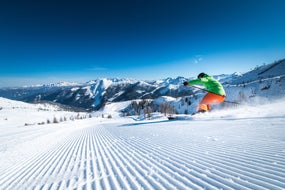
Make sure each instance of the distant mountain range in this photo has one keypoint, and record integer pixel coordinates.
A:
(263, 81)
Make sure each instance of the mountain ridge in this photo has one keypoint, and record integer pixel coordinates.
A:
(262, 81)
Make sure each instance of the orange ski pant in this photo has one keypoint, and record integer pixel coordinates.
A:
(208, 99)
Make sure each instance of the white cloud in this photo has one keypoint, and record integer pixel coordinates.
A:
(198, 59)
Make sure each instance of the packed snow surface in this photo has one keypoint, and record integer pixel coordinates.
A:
(237, 148)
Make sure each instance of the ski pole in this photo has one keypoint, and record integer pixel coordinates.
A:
(231, 102)
(214, 93)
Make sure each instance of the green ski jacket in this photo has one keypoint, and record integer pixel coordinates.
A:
(211, 84)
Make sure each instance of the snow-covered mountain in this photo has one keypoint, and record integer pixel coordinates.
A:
(263, 84)
(94, 94)
(267, 81)
(240, 148)
(264, 81)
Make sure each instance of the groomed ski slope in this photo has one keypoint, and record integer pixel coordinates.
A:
(242, 148)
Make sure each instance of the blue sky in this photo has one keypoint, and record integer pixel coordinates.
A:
(56, 40)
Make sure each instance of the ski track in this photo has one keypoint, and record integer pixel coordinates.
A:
(108, 156)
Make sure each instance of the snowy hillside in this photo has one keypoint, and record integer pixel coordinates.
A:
(130, 143)
(237, 148)
(259, 86)
(264, 81)
(261, 83)
(18, 114)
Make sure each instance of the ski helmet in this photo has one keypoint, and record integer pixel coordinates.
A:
(201, 75)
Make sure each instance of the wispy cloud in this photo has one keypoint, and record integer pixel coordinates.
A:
(198, 59)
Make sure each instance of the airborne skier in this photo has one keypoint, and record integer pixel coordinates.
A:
(216, 93)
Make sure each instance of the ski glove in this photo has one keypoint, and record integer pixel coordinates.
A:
(185, 83)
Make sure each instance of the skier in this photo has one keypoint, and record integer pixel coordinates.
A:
(216, 92)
